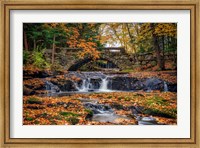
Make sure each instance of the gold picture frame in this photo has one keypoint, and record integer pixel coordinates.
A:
(7, 5)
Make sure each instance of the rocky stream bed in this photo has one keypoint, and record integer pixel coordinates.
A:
(96, 98)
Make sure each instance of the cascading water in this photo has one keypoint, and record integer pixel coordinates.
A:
(104, 85)
(84, 82)
(51, 88)
(87, 84)
(165, 87)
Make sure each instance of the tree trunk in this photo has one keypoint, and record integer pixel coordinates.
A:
(34, 44)
(174, 46)
(132, 41)
(163, 43)
(25, 41)
(156, 47)
(53, 49)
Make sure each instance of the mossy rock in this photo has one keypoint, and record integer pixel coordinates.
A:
(33, 101)
(90, 112)
(120, 98)
(117, 106)
(109, 97)
(73, 120)
(89, 115)
(127, 98)
(29, 119)
(164, 113)
(66, 114)
(157, 100)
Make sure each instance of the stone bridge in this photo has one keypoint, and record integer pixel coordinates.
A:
(69, 59)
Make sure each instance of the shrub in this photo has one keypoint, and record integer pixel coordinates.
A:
(38, 58)
(26, 57)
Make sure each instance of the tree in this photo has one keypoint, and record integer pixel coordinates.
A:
(156, 47)
(86, 37)
(53, 31)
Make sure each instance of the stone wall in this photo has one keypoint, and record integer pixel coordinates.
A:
(67, 58)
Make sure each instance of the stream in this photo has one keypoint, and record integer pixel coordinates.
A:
(104, 113)
(99, 82)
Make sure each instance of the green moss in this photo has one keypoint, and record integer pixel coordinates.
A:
(138, 95)
(33, 100)
(73, 120)
(29, 118)
(109, 97)
(117, 106)
(36, 122)
(127, 98)
(57, 117)
(66, 114)
(43, 115)
(128, 70)
(90, 112)
(157, 100)
(164, 113)
(120, 98)
(153, 63)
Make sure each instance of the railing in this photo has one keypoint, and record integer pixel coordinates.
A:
(108, 49)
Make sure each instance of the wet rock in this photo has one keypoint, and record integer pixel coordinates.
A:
(94, 83)
(136, 109)
(172, 87)
(69, 104)
(52, 87)
(68, 86)
(36, 74)
(122, 83)
(60, 103)
(138, 85)
(153, 84)
(27, 91)
(117, 106)
(35, 107)
(147, 121)
(89, 117)
(51, 105)
(97, 108)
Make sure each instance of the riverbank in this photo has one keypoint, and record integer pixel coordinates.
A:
(69, 110)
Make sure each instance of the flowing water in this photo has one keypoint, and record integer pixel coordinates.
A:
(103, 113)
(101, 82)
(165, 87)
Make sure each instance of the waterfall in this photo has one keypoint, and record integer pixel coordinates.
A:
(88, 85)
(51, 87)
(165, 87)
(85, 86)
(104, 85)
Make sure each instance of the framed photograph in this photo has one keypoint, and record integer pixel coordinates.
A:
(99, 73)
